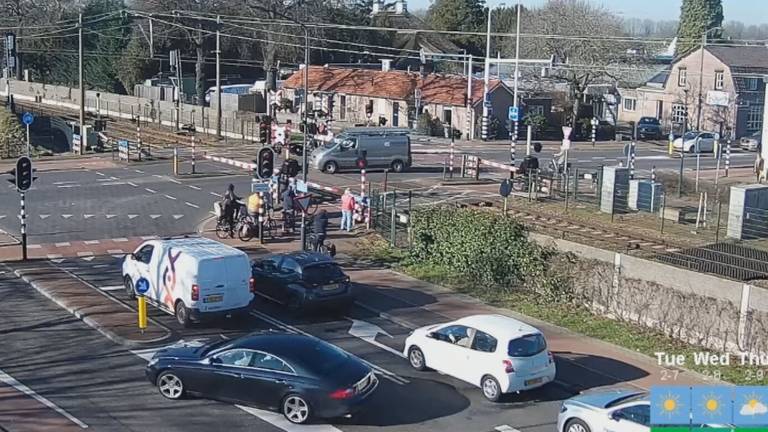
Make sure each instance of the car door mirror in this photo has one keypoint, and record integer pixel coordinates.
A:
(134, 257)
(214, 360)
(432, 335)
(617, 415)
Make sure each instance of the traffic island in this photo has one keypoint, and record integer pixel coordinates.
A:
(113, 319)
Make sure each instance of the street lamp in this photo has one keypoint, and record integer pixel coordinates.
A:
(701, 74)
(486, 81)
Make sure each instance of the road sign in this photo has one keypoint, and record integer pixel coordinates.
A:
(566, 144)
(259, 187)
(514, 113)
(505, 188)
(567, 132)
(27, 118)
(301, 186)
(487, 104)
(142, 286)
(303, 202)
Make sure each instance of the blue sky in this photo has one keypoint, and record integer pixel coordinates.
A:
(747, 11)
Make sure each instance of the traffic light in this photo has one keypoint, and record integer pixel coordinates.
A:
(369, 109)
(264, 132)
(265, 163)
(362, 161)
(23, 175)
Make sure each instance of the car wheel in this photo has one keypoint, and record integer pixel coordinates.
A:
(416, 358)
(491, 388)
(398, 166)
(129, 291)
(330, 168)
(182, 314)
(576, 425)
(170, 385)
(296, 409)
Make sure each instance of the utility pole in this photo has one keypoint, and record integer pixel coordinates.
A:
(305, 141)
(486, 80)
(517, 72)
(83, 138)
(470, 123)
(701, 80)
(218, 76)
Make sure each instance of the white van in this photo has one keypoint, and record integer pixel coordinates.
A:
(191, 278)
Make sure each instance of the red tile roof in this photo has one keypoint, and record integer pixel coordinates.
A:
(397, 85)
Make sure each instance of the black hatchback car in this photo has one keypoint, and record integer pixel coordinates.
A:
(649, 127)
(300, 376)
(303, 280)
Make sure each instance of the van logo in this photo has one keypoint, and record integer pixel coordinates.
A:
(386, 143)
(169, 277)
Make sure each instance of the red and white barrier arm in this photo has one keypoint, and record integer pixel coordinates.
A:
(498, 165)
(233, 162)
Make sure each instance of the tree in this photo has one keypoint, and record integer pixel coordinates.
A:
(696, 17)
(460, 15)
(11, 135)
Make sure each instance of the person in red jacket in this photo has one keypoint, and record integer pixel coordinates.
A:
(347, 207)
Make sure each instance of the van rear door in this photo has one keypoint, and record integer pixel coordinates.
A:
(238, 278)
(211, 284)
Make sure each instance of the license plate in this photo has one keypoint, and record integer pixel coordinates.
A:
(213, 299)
(331, 287)
(533, 381)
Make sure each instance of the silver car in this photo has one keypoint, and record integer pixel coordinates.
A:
(751, 142)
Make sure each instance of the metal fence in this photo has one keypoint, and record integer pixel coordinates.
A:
(390, 215)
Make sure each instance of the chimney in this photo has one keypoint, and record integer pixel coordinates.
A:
(376, 7)
(401, 7)
(386, 65)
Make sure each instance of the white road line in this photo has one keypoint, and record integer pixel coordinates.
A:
(191, 205)
(150, 190)
(66, 186)
(85, 254)
(193, 187)
(154, 216)
(170, 197)
(101, 174)
(133, 184)
(112, 288)
(92, 242)
(148, 237)
(157, 175)
(120, 240)
(114, 251)
(87, 216)
(62, 244)
(505, 428)
(291, 329)
(173, 180)
(11, 381)
(53, 256)
(138, 171)
(35, 246)
(215, 194)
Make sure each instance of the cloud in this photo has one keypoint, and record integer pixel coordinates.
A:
(749, 410)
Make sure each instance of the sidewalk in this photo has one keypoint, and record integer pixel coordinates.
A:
(113, 319)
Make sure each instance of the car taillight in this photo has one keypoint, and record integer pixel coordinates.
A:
(195, 293)
(252, 285)
(551, 357)
(508, 366)
(342, 394)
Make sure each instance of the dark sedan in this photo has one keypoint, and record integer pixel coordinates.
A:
(303, 280)
(649, 127)
(300, 376)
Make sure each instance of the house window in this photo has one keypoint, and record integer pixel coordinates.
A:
(447, 115)
(536, 109)
(342, 107)
(630, 104)
(682, 77)
(755, 118)
(719, 80)
(679, 113)
(751, 84)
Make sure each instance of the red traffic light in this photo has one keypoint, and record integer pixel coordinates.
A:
(361, 163)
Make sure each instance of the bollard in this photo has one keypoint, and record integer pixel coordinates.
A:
(632, 160)
(727, 155)
(653, 174)
(175, 161)
(451, 156)
(193, 154)
(142, 310)
(261, 218)
(138, 137)
(671, 144)
(463, 165)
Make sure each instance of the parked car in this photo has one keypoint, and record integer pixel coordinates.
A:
(649, 127)
(192, 278)
(497, 353)
(618, 410)
(695, 142)
(300, 376)
(751, 142)
(303, 280)
(383, 147)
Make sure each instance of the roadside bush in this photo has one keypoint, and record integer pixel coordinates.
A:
(487, 249)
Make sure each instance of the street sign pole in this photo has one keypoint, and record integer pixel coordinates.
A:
(28, 145)
(23, 217)
(28, 119)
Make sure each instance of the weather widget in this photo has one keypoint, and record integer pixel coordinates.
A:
(711, 407)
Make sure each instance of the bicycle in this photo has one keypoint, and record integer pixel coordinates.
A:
(326, 248)
(247, 228)
(223, 228)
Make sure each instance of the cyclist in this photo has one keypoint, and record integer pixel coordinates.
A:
(319, 229)
(230, 205)
(288, 209)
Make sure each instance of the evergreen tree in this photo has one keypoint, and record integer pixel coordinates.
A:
(460, 15)
(696, 17)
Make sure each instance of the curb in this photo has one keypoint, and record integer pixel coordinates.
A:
(128, 343)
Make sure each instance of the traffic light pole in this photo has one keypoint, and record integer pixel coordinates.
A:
(23, 218)
(304, 166)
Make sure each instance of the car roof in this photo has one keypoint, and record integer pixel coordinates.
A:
(610, 398)
(201, 247)
(287, 346)
(305, 258)
(500, 326)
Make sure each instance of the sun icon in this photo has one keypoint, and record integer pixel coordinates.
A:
(670, 404)
(712, 404)
(753, 406)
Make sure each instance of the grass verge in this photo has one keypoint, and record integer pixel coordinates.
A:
(575, 318)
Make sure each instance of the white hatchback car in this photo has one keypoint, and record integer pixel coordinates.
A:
(499, 354)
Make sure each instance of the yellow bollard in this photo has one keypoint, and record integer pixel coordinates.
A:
(142, 313)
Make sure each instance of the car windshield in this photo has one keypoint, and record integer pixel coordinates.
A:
(319, 273)
(690, 135)
(649, 120)
(527, 346)
(321, 358)
(336, 141)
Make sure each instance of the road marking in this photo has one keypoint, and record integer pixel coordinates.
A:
(157, 175)
(66, 216)
(66, 186)
(101, 174)
(133, 184)
(88, 258)
(85, 254)
(170, 197)
(173, 180)
(43, 216)
(215, 194)
(291, 329)
(154, 216)
(193, 187)
(53, 256)
(112, 288)
(120, 240)
(87, 216)
(178, 216)
(368, 331)
(150, 190)
(138, 171)
(505, 428)
(35, 246)
(149, 237)
(92, 242)
(2, 216)
(110, 216)
(114, 251)
(132, 216)
(11, 381)
(191, 204)
(62, 244)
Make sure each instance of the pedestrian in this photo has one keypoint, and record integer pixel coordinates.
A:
(320, 229)
(347, 207)
(759, 167)
(288, 210)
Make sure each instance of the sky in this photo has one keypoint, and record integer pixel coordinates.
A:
(746, 11)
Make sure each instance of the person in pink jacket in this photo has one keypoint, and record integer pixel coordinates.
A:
(347, 207)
